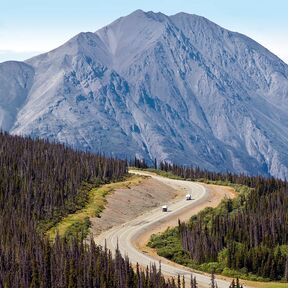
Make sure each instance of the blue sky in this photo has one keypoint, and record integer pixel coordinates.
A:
(28, 27)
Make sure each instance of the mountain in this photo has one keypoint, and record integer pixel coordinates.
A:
(178, 88)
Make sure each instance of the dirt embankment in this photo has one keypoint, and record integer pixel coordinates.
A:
(126, 204)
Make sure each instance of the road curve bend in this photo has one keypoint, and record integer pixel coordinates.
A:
(127, 234)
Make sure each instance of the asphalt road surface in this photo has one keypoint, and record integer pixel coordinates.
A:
(126, 234)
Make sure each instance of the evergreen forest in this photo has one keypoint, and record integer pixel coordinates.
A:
(248, 234)
(39, 184)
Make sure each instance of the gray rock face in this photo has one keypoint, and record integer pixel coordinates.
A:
(15, 82)
(178, 88)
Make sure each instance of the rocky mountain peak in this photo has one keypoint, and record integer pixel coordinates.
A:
(177, 88)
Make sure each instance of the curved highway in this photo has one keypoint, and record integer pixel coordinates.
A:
(127, 234)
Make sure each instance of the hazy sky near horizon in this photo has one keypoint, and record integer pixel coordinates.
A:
(29, 27)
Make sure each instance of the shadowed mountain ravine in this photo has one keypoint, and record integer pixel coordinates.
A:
(177, 88)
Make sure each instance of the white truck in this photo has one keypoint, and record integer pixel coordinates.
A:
(188, 197)
(164, 208)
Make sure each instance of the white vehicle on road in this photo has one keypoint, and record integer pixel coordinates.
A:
(164, 208)
(126, 236)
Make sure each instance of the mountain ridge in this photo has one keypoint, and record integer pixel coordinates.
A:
(177, 88)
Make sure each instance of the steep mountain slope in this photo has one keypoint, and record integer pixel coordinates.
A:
(15, 82)
(177, 88)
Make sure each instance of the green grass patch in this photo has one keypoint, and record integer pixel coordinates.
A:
(70, 207)
(78, 230)
(266, 284)
(76, 222)
(168, 245)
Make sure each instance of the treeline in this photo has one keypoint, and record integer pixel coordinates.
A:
(191, 173)
(39, 183)
(73, 265)
(248, 234)
(43, 180)
(138, 163)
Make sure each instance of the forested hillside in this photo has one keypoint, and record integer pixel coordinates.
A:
(248, 234)
(39, 183)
